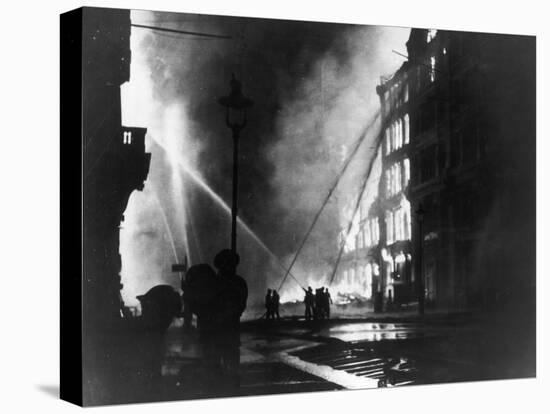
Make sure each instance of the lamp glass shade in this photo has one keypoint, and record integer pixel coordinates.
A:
(235, 100)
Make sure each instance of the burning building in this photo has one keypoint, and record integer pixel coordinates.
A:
(378, 254)
(394, 209)
(359, 269)
(457, 143)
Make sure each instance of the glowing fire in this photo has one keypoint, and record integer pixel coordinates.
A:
(348, 287)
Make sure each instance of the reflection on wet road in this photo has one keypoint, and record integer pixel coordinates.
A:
(344, 362)
(369, 331)
(359, 332)
(363, 363)
(366, 354)
(296, 356)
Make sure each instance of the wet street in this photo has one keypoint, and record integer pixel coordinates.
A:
(297, 356)
(358, 355)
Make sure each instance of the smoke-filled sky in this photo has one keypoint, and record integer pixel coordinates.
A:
(313, 85)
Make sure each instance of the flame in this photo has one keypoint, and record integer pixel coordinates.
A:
(346, 288)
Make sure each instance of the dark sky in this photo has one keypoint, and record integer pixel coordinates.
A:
(313, 85)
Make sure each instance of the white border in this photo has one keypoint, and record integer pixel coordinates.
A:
(30, 193)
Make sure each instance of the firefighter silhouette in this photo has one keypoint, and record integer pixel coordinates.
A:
(218, 300)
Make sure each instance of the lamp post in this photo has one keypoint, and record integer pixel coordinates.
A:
(235, 119)
(420, 274)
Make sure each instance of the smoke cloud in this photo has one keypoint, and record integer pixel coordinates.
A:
(322, 120)
(314, 91)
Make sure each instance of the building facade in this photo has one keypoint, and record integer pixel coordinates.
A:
(473, 143)
(394, 206)
(457, 154)
(115, 162)
(377, 260)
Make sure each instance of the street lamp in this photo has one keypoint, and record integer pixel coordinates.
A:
(420, 276)
(236, 104)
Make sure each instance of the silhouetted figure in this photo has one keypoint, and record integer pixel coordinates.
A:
(202, 287)
(319, 310)
(159, 306)
(201, 290)
(130, 354)
(309, 301)
(327, 301)
(230, 304)
(269, 314)
(141, 356)
(275, 301)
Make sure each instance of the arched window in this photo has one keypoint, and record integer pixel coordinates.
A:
(406, 128)
(127, 137)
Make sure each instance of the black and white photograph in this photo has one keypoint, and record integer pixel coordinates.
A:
(275, 206)
(279, 209)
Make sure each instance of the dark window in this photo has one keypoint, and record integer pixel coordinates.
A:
(416, 169)
(469, 145)
(418, 78)
(428, 163)
(428, 115)
(455, 150)
(468, 209)
(442, 155)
